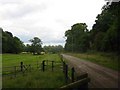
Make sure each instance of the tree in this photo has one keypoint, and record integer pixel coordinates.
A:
(27, 48)
(53, 49)
(1, 40)
(104, 36)
(36, 45)
(11, 44)
(105, 33)
(77, 38)
(18, 45)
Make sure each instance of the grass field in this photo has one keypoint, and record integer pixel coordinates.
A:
(15, 59)
(105, 59)
(35, 78)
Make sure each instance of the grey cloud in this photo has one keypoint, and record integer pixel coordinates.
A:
(20, 10)
(10, 1)
(46, 19)
(50, 38)
(45, 40)
(25, 38)
(45, 34)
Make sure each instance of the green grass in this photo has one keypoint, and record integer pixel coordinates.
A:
(36, 78)
(109, 60)
(15, 59)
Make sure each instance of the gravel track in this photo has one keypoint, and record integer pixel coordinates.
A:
(101, 77)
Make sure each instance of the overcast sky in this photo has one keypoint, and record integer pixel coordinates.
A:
(46, 19)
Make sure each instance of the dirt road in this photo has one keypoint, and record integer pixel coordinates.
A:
(101, 77)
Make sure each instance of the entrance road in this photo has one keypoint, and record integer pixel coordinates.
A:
(101, 77)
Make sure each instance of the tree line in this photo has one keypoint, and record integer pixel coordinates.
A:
(53, 49)
(12, 44)
(104, 35)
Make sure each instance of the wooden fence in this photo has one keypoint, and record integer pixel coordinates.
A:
(22, 68)
(73, 80)
(14, 70)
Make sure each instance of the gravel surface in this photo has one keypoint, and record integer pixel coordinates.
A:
(101, 77)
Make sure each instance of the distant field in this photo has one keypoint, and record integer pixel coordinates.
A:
(15, 59)
(35, 78)
(105, 59)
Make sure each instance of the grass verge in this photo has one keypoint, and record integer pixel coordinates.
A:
(109, 60)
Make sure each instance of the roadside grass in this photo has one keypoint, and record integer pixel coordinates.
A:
(35, 78)
(109, 60)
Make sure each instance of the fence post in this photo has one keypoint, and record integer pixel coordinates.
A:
(72, 73)
(43, 65)
(52, 65)
(66, 73)
(21, 65)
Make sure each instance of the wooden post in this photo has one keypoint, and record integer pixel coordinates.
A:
(78, 85)
(84, 75)
(43, 66)
(21, 65)
(52, 65)
(72, 73)
(66, 73)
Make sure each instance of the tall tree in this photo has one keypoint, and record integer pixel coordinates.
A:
(36, 45)
(1, 40)
(105, 32)
(18, 45)
(11, 44)
(77, 38)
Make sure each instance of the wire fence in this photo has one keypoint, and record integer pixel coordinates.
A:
(45, 65)
(71, 77)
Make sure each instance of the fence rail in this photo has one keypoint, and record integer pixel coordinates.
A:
(72, 79)
(22, 68)
(83, 83)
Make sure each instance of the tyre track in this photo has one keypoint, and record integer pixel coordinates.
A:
(101, 77)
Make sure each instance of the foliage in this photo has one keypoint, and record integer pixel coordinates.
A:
(104, 35)
(53, 49)
(105, 32)
(77, 38)
(35, 47)
(10, 43)
(27, 48)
